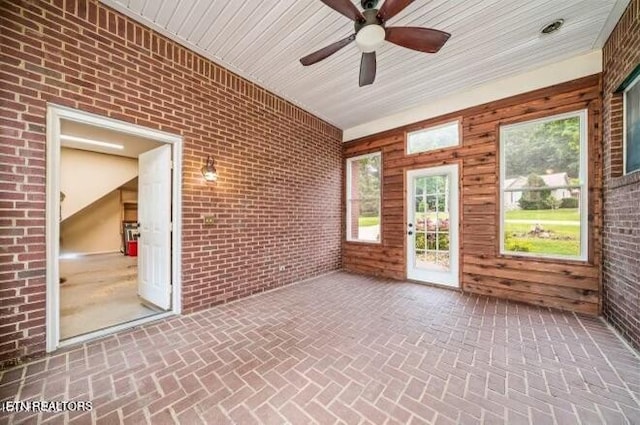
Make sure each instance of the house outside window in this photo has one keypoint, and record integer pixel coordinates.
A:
(363, 198)
(543, 186)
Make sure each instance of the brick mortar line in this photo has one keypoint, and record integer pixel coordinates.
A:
(620, 337)
(227, 82)
(257, 294)
(606, 357)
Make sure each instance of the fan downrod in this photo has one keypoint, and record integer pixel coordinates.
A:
(370, 18)
(369, 4)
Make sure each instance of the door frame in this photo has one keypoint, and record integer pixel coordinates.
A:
(56, 113)
(454, 170)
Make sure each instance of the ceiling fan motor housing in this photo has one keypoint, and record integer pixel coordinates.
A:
(369, 4)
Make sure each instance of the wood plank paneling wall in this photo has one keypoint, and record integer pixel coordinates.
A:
(572, 285)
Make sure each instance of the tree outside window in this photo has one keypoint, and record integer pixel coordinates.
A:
(543, 184)
(363, 198)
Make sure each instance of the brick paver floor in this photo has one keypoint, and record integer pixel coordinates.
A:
(346, 349)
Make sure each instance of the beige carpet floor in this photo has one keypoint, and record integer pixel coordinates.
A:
(100, 291)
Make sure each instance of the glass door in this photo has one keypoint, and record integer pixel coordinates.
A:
(432, 225)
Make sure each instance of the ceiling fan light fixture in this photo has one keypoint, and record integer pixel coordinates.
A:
(371, 33)
(370, 37)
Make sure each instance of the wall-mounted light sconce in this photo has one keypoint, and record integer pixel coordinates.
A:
(209, 171)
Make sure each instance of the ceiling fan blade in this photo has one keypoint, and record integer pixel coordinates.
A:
(367, 68)
(325, 52)
(346, 8)
(391, 8)
(421, 39)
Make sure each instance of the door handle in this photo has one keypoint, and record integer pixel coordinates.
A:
(410, 233)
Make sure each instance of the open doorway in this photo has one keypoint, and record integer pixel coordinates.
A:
(112, 258)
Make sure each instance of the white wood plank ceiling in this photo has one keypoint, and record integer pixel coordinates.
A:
(262, 40)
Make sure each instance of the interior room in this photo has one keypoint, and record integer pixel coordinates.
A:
(320, 211)
(98, 261)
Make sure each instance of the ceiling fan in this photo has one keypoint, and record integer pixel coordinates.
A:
(371, 33)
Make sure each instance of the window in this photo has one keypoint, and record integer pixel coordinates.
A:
(632, 126)
(543, 182)
(363, 198)
(432, 138)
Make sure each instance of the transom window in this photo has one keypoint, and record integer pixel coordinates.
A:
(543, 182)
(432, 138)
(363, 198)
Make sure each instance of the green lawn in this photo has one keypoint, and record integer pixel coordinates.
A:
(368, 221)
(544, 246)
(563, 239)
(556, 229)
(562, 214)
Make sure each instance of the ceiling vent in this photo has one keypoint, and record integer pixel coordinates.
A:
(552, 27)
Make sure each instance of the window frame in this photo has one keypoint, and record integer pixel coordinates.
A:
(583, 114)
(456, 121)
(348, 199)
(632, 84)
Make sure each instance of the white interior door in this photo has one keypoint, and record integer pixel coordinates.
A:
(432, 225)
(154, 217)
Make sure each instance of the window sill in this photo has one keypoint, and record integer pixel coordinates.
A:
(550, 260)
(625, 180)
(364, 242)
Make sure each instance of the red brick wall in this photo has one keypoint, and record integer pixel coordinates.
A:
(278, 198)
(621, 267)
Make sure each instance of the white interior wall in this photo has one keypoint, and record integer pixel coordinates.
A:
(87, 176)
(95, 229)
